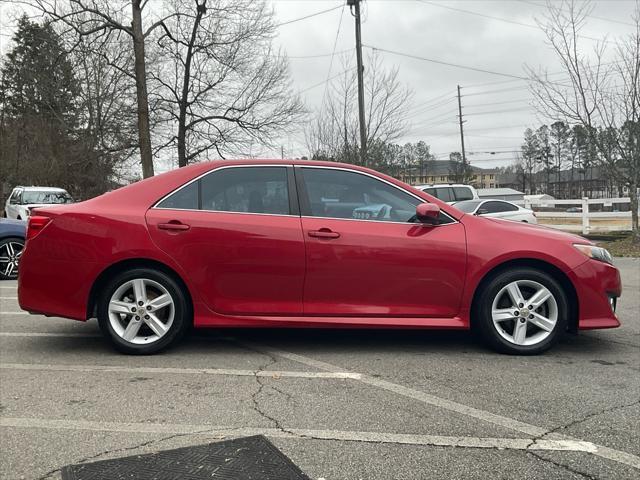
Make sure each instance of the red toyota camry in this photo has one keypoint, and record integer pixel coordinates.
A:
(306, 244)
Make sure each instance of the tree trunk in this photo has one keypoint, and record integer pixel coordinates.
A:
(184, 97)
(144, 135)
(633, 194)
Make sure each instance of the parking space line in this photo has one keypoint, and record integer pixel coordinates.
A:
(191, 371)
(510, 423)
(302, 434)
(14, 313)
(8, 298)
(52, 334)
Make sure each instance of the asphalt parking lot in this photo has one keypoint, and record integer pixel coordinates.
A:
(340, 404)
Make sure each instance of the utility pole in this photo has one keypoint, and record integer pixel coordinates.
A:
(363, 133)
(464, 156)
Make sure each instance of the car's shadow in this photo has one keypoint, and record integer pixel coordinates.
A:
(334, 340)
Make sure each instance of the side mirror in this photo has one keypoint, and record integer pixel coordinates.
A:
(428, 213)
(482, 211)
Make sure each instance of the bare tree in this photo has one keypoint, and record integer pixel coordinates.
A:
(334, 132)
(598, 95)
(103, 19)
(221, 86)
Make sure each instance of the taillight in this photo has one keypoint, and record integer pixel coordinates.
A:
(36, 225)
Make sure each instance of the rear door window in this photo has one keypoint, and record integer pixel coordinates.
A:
(246, 190)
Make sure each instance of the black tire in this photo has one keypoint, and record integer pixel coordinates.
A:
(183, 316)
(3, 266)
(484, 301)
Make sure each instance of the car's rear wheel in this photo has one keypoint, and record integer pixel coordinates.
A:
(143, 311)
(10, 253)
(523, 311)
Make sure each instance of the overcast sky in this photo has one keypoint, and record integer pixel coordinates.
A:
(440, 30)
(496, 108)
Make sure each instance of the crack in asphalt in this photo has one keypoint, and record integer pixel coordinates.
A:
(563, 466)
(573, 423)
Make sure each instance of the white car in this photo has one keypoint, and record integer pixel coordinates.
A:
(497, 209)
(451, 193)
(23, 199)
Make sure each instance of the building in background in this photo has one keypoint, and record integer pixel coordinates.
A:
(444, 171)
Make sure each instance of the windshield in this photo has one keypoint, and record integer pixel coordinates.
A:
(468, 206)
(45, 197)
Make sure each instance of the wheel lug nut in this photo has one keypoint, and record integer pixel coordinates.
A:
(516, 313)
(133, 309)
(521, 305)
(146, 317)
(522, 320)
(140, 303)
(148, 307)
(530, 316)
(137, 317)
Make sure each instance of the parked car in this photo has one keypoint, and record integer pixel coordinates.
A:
(497, 209)
(24, 199)
(12, 235)
(284, 243)
(451, 193)
(574, 210)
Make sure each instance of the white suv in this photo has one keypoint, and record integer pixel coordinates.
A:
(23, 199)
(450, 193)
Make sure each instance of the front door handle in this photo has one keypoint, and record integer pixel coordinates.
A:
(174, 225)
(324, 233)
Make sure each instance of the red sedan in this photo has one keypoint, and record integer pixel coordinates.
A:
(306, 244)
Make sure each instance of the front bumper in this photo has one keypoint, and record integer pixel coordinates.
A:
(598, 287)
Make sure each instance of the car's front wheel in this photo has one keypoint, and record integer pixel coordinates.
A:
(143, 311)
(523, 311)
(10, 253)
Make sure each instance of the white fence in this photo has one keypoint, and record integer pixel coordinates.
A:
(584, 215)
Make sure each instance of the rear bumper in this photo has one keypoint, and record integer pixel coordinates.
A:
(55, 287)
(596, 284)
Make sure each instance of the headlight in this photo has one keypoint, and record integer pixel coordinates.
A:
(597, 253)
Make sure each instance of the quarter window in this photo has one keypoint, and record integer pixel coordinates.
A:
(184, 199)
(340, 194)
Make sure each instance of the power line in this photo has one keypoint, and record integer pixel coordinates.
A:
(465, 67)
(335, 45)
(419, 110)
(320, 55)
(315, 85)
(308, 16)
(592, 16)
(498, 103)
(515, 22)
(491, 112)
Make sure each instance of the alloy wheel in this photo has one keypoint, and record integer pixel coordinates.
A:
(524, 312)
(141, 311)
(10, 253)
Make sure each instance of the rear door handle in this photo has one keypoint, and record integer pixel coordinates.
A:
(323, 233)
(174, 225)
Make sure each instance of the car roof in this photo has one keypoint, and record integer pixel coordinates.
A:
(148, 191)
